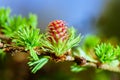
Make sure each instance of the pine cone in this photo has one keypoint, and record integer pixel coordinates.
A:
(57, 30)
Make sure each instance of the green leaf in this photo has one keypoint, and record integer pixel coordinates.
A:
(38, 64)
(28, 37)
(33, 54)
(2, 54)
(77, 51)
(32, 20)
(77, 68)
(105, 52)
(117, 52)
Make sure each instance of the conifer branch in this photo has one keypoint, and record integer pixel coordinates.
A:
(60, 43)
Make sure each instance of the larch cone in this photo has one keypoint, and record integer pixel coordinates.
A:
(57, 29)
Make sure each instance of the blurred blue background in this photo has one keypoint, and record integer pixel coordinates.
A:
(82, 14)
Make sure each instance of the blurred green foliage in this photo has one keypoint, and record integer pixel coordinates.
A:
(4, 16)
(90, 41)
